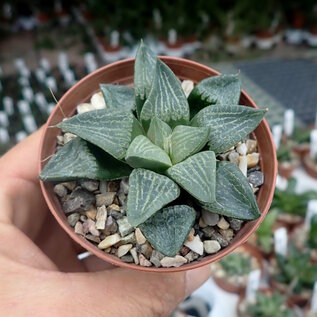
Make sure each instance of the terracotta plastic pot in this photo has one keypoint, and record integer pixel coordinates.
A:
(122, 73)
(240, 289)
(310, 167)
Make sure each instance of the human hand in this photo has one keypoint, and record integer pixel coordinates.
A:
(39, 271)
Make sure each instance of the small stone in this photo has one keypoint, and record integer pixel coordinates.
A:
(184, 250)
(127, 259)
(228, 234)
(90, 226)
(69, 185)
(73, 218)
(113, 186)
(60, 140)
(114, 207)
(156, 257)
(256, 178)
(83, 218)
(124, 186)
(90, 185)
(235, 224)
(202, 223)
(177, 261)
(213, 234)
(110, 226)
(195, 245)
(140, 238)
(242, 149)
(130, 238)
(223, 223)
(191, 256)
(253, 159)
(105, 199)
(123, 250)
(91, 213)
(134, 255)
(79, 200)
(79, 228)
(190, 236)
(210, 218)
(97, 101)
(60, 190)
(187, 86)
(92, 238)
(255, 189)
(85, 107)
(103, 187)
(101, 218)
(234, 157)
(146, 250)
(116, 200)
(109, 241)
(223, 156)
(251, 145)
(115, 214)
(143, 261)
(108, 250)
(122, 199)
(243, 164)
(124, 226)
(68, 137)
(211, 246)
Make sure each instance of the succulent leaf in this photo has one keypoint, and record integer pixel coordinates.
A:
(168, 229)
(78, 159)
(109, 129)
(186, 141)
(228, 124)
(118, 97)
(166, 99)
(197, 175)
(149, 192)
(221, 90)
(158, 132)
(234, 195)
(144, 68)
(142, 153)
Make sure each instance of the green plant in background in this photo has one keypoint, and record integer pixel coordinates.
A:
(236, 264)
(146, 133)
(296, 270)
(264, 232)
(312, 236)
(284, 153)
(301, 135)
(269, 305)
(290, 202)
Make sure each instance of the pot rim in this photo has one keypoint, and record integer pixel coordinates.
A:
(113, 259)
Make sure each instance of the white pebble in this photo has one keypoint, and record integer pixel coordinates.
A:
(98, 101)
(109, 241)
(195, 245)
(211, 246)
(210, 218)
(188, 86)
(242, 149)
(223, 223)
(243, 165)
(123, 250)
(177, 261)
(140, 239)
(84, 107)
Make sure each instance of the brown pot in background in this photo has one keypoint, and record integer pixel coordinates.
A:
(301, 150)
(226, 285)
(310, 167)
(286, 171)
(122, 73)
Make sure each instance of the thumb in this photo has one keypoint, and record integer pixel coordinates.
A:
(122, 292)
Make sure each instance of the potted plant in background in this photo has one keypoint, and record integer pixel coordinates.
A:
(287, 160)
(155, 151)
(300, 141)
(231, 273)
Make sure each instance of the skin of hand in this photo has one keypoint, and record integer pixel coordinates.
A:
(39, 271)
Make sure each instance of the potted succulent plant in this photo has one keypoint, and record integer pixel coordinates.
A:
(267, 303)
(168, 147)
(294, 275)
(231, 272)
(300, 140)
(287, 160)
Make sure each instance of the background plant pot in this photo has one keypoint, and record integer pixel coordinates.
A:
(286, 170)
(240, 289)
(122, 73)
(301, 150)
(310, 167)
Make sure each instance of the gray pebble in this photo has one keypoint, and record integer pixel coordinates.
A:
(127, 258)
(60, 190)
(79, 228)
(115, 214)
(223, 156)
(143, 261)
(191, 256)
(105, 199)
(103, 187)
(235, 224)
(156, 257)
(73, 218)
(134, 255)
(90, 226)
(69, 185)
(234, 157)
(124, 186)
(145, 249)
(122, 198)
(211, 233)
(130, 238)
(110, 226)
(101, 217)
(79, 200)
(90, 185)
(210, 218)
(256, 178)
(92, 238)
(124, 226)
(113, 186)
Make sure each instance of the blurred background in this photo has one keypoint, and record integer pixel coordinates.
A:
(46, 48)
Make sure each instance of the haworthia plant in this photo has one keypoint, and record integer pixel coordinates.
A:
(146, 133)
